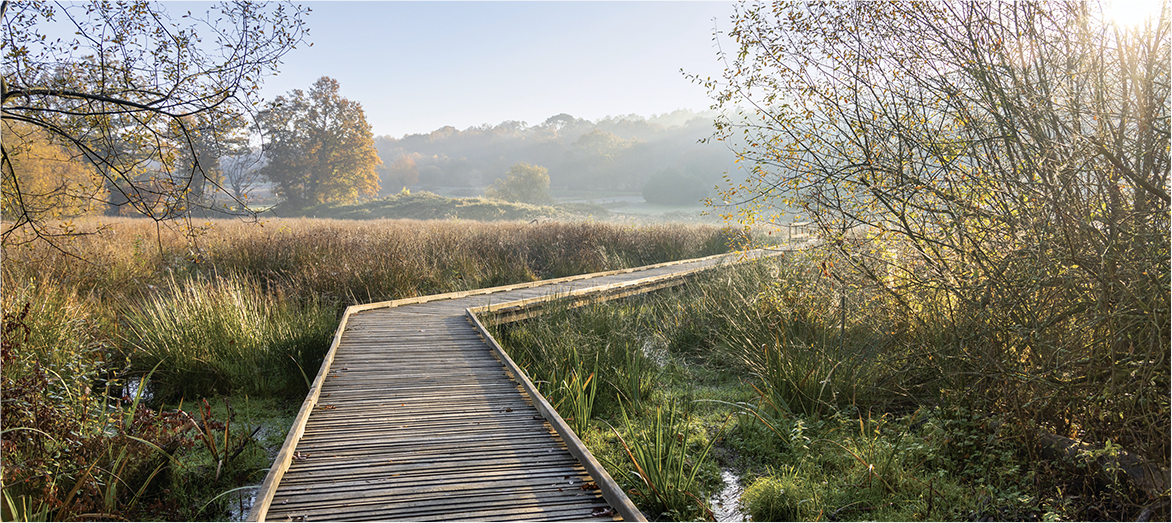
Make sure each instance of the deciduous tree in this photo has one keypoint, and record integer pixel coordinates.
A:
(319, 147)
(48, 182)
(1014, 155)
(523, 183)
(119, 83)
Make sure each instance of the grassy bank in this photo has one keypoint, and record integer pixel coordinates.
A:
(429, 206)
(236, 314)
(822, 400)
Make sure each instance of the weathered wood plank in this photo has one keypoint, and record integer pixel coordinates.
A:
(415, 414)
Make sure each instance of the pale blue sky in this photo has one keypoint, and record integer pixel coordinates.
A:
(417, 66)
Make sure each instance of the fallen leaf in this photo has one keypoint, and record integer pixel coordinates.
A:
(602, 511)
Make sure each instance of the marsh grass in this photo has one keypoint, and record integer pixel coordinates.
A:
(843, 408)
(574, 394)
(662, 469)
(225, 334)
(353, 261)
(62, 335)
(551, 353)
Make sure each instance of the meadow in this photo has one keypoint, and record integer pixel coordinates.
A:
(151, 373)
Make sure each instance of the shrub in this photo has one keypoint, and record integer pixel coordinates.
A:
(523, 183)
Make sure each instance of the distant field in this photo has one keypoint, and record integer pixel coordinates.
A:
(430, 206)
(464, 204)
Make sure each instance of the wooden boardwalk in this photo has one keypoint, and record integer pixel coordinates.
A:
(418, 415)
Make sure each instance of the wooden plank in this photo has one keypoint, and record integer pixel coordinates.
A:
(362, 466)
(442, 480)
(406, 506)
(530, 502)
(610, 489)
(430, 488)
(324, 460)
(384, 348)
(490, 509)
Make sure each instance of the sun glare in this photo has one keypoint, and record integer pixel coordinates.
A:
(1131, 13)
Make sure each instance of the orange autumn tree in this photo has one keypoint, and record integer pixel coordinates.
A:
(319, 147)
(50, 181)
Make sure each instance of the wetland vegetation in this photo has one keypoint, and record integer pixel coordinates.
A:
(825, 402)
(980, 332)
(150, 376)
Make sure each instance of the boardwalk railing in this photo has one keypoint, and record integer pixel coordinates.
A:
(522, 301)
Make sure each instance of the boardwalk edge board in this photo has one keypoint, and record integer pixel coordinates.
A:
(517, 309)
(268, 487)
(611, 491)
(519, 286)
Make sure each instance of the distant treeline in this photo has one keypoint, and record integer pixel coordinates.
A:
(613, 154)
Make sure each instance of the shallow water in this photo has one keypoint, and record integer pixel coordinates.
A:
(130, 390)
(241, 503)
(726, 505)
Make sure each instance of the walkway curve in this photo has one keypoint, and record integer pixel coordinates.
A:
(417, 414)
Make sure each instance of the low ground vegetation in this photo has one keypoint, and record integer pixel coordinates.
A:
(149, 376)
(826, 404)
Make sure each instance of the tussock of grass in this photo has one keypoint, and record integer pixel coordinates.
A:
(226, 334)
(777, 498)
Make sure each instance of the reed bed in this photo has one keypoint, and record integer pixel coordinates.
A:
(352, 261)
(229, 308)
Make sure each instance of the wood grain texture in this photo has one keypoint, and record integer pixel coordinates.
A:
(416, 414)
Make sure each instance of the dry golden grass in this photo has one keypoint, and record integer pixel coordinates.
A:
(349, 261)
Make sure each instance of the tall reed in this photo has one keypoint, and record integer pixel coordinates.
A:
(354, 261)
(63, 334)
(226, 334)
